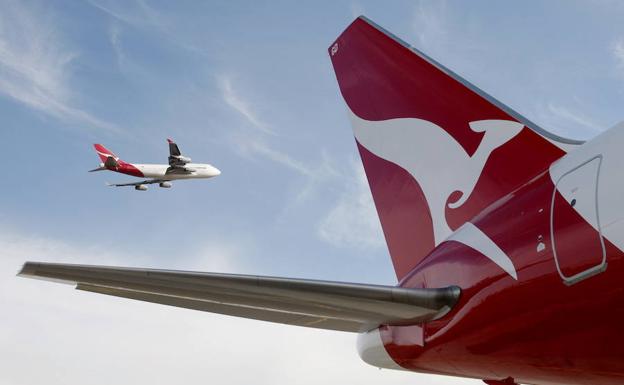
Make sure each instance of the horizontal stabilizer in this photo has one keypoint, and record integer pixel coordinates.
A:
(318, 304)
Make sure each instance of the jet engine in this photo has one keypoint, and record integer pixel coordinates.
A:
(140, 187)
(165, 184)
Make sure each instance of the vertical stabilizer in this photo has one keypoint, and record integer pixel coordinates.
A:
(436, 149)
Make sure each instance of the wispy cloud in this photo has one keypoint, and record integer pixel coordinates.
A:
(564, 114)
(114, 34)
(356, 9)
(258, 143)
(353, 221)
(430, 25)
(136, 13)
(441, 33)
(35, 65)
(618, 52)
(253, 145)
(232, 99)
(316, 174)
(323, 172)
(139, 14)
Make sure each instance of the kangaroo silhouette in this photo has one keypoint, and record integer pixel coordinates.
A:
(433, 157)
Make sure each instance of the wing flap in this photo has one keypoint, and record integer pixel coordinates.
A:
(312, 303)
(236, 311)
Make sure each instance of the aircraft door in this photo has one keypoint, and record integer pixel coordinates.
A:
(577, 243)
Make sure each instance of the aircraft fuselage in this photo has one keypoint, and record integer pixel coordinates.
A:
(164, 171)
(557, 317)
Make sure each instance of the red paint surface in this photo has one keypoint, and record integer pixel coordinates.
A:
(402, 209)
(535, 329)
(381, 79)
(129, 169)
(103, 152)
(122, 167)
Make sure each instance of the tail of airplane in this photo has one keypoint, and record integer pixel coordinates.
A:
(109, 159)
(436, 149)
(104, 153)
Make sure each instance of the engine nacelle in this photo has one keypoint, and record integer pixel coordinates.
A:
(140, 187)
(165, 184)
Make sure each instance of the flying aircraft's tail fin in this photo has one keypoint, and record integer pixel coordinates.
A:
(436, 149)
(104, 153)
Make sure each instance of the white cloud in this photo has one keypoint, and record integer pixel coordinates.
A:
(565, 115)
(136, 13)
(248, 145)
(316, 174)
(240, 105)
(258, 143)
(114, 35)
(323, 172)
(353, 221)
(139, 14)
(54, 335)
(618, 53)
(356, 9)
(430, 25)
(35, 65)
(443, 34)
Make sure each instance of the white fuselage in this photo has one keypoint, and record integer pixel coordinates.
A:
(159, 171)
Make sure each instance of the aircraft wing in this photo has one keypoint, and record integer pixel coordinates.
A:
(179, 170)
(147, 181)
(174, 150)
(176, 158)
(318, 304)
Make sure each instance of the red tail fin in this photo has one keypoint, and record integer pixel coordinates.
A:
(104, 153)
(436, 150)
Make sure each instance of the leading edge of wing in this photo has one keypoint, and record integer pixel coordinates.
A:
(147, 181)
(319, 304)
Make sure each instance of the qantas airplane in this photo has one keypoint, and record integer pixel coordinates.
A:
(179, 167)
(507, 240)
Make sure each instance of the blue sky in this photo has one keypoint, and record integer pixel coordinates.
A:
(248, 87)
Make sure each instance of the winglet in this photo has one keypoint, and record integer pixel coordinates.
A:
(28, 269)
(169, 141)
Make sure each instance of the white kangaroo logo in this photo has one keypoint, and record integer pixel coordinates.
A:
(434, 158)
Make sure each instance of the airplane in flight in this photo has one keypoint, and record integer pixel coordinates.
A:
(179, 167)
(507, 241)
